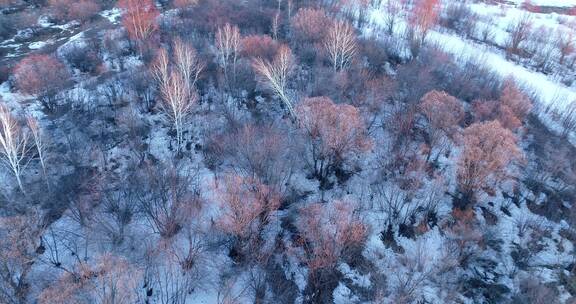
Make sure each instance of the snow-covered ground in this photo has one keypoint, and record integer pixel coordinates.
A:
(548, 91)
(113, 15)
(420, 257)
(550, 94)
(500, 17)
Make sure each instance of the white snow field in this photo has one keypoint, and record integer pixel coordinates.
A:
(550, 95)
(557, 3)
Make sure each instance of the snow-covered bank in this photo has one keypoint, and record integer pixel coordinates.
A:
(550, 93)
(551, 96)
(556, 3)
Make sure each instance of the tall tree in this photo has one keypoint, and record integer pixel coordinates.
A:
(327, 232)
(340, 45)
(565, 43)
(519, 33)
(309, 25)
(444, 113)
(333, 132)
(392, 9)
(177, 103)
(186, 62)
(176, 80)
(257, 151)
(139, 18)
(423, 17)
(42, 75)
(15, 145)
(247, 207)
(514, 106)
(19, 242)
(39, 140)
(488, 152)
(228, 46)
(67, 10)
(274, 74)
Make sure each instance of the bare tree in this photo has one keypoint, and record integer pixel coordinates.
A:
(139, 18)
(161, 67)
(185, 4)
(333, 132)
(568, 118)
(177, 84)
(19, 241)
(510, 110)
(443, 113)
(393, 9)
(418, 270)
(15, 145)
(168, 283)
(110, 280)
(228, 46)
(514, 105)
(119, 207)
(542, 48)
(340, 45)
(275, 75)
(188, 249)
(487, 31)
(39, 142)
(259, 46)
(565, 43)
(42, 75)
(187, 62)
(463, 235)
(489, 150)
(533, 290)
(178, 102)
(519, 33)
(230, 291)
(328, 232)
(262, 152)
(247, 207)
(394, 202)
(167, 198)
(67, 10)
(309, 25)
(423, 17)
